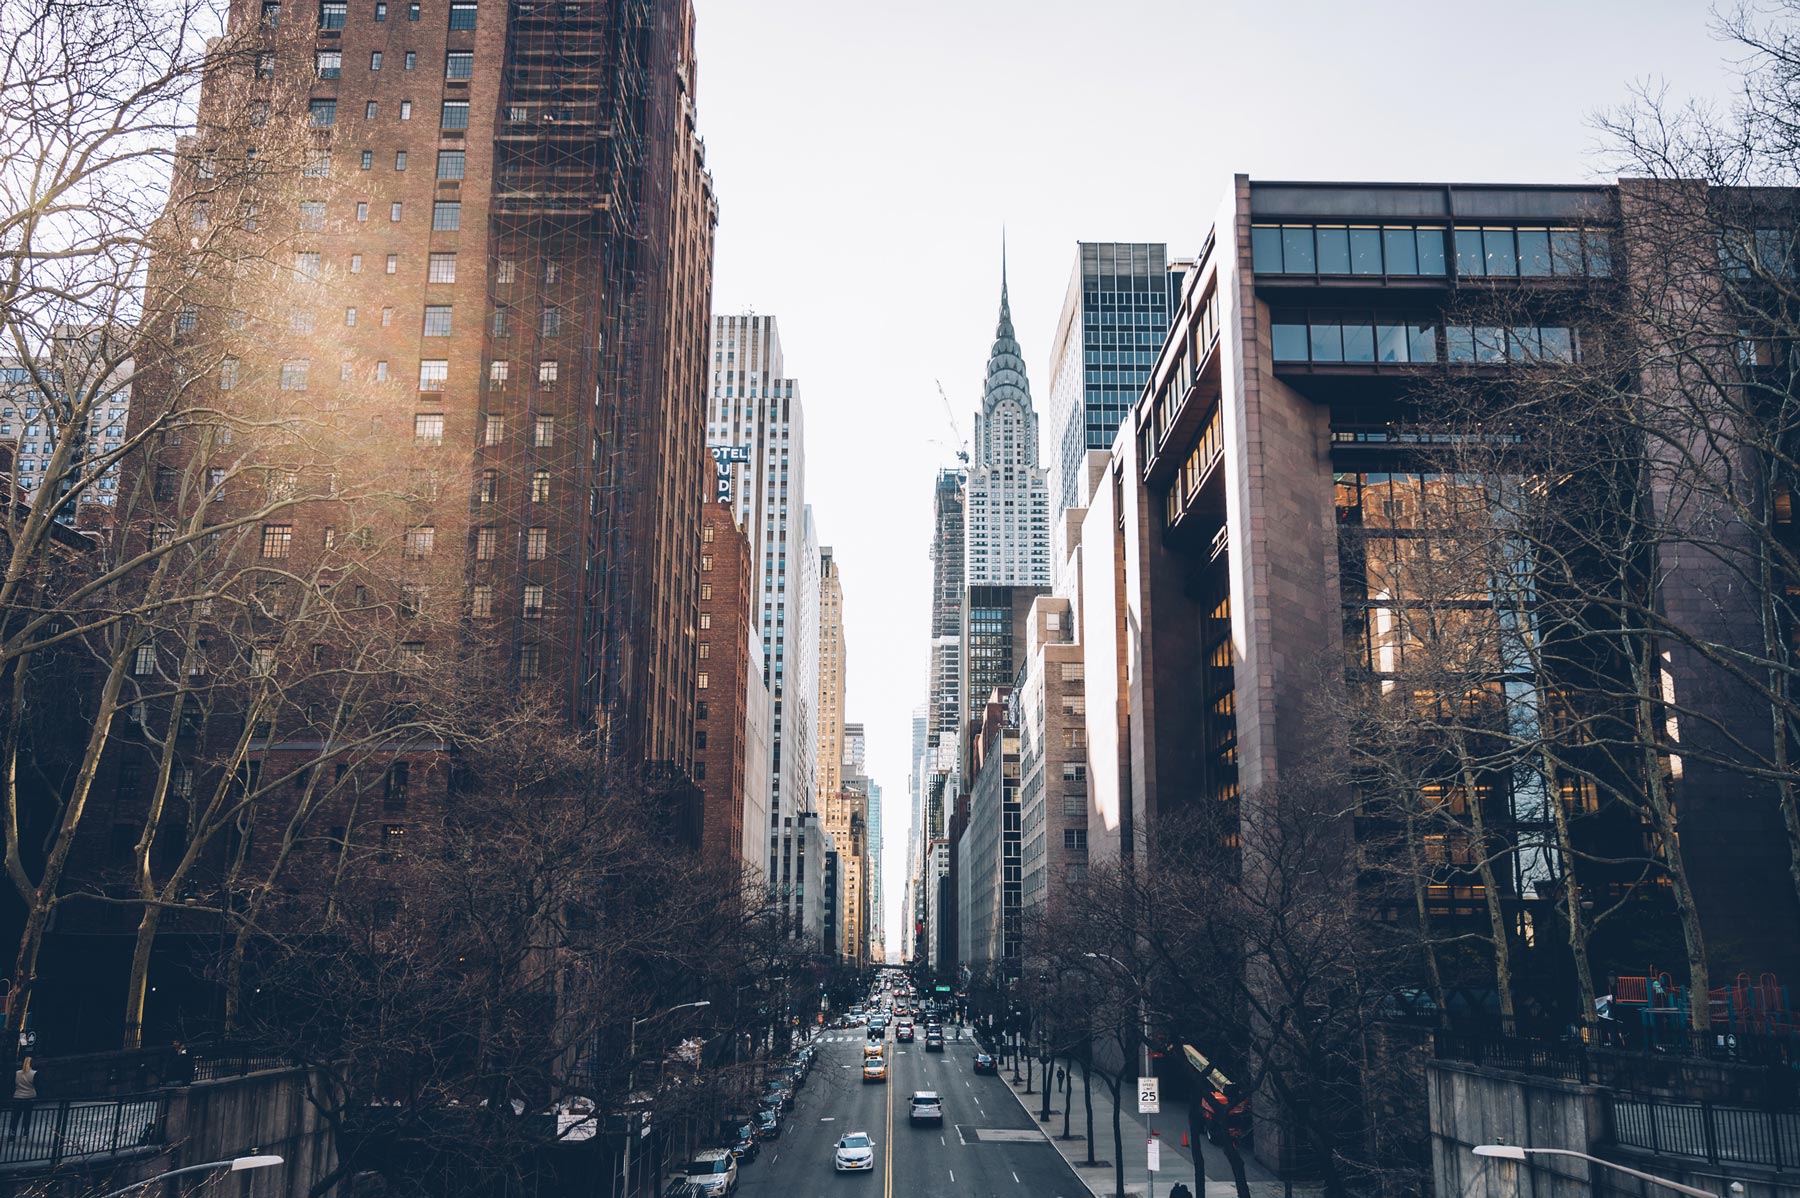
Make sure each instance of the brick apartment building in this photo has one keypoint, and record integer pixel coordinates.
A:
(731, 712)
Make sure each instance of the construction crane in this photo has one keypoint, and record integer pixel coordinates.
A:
(962, 450)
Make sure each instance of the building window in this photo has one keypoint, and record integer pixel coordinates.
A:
(375, 60)
(332, 13)
(462, 14)
(412, 10)
(450, 164)
(705, 650)
(362, 214)
(418, 542)
(277, 540)
(459, 64)
(543, 431)
(1071, 671)
(503, 271)
(399, 165)
(547, 372)
(534, 601)
(369, 110)
(540, 486)
(706, 561)
(306, 264)
(428, 428)
(537, 544)
(228, 374)
(497, 373)
(494, 430)
(456, 114)
(706, 590)
(380, 10)
(481, 601)
(485, 541)
(705, 620)
(324, 113)
(349, 323)
(702, 682)
(446, 216)
(368, 164)
(412, 60)
(381, 371)
(328, 64)
(143, 664)
(262, 662)
(433, 374)
(437, 320)
(528, 662)
(488, 488)
(1075, 838)
(271, 16)
(293, 375)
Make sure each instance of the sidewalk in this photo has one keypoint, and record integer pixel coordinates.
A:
(1135, 1129)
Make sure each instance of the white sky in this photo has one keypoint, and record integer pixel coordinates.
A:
(867, 155)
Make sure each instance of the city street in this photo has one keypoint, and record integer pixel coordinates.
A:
(986, 1146)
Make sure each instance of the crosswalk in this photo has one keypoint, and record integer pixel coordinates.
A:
(953, 1036)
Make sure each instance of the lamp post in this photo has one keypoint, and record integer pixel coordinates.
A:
(235, 1164)
(631, 1072)
(1513, 1152)
(1143, 1012)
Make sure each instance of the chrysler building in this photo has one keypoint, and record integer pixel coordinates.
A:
(1007, 521)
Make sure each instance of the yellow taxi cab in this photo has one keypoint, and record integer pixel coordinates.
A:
(871, 1050)
(875, 1069)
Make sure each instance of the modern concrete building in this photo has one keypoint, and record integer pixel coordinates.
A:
(1113, 321)
(756, 428)
(39, 401)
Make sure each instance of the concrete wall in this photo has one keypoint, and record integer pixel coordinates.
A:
(1470, 1105)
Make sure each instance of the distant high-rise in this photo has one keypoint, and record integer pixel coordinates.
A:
(1112, 325)
(1007, 538)
(755, 424)
(828, 776)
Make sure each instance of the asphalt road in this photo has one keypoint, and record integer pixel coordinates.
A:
(987, 1148)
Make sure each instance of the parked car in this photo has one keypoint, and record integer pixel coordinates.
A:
(713, 1171)
(768, 1125)
(984, 1063)
(740, 1138)
(855, 1153)
(926, 1107)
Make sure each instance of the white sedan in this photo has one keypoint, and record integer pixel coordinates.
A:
(855, 1153)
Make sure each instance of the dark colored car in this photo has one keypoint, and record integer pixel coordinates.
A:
(934, 1041)
(768, 1125)
(904, 1033)
(984, 1063)
(744, 1144)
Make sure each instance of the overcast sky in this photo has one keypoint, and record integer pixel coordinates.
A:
(867, 155)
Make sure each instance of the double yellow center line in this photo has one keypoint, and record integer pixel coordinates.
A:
(887, 1150)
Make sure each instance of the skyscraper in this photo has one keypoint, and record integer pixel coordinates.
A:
(833, 675)
(1007, 542)
(1112, 325)
(755, 418)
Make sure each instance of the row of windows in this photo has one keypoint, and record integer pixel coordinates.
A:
(1489, 251)
(323, 112)
(434, 373)
(335, 14)
(1381, 338)
(278, 540)
(329, 64)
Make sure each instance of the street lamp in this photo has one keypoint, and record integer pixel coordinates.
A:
(1513, 1152)
(631, 1052)
(1143, 1012)
(235, 1164)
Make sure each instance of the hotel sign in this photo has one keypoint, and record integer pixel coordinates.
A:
(724, 457)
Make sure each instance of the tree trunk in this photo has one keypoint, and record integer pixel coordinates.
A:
(1484, 866)
(1087, 1096)
(1118, 1138)
(40, 901)
(138, 985)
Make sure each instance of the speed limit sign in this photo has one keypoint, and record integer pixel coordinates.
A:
(1149, 1096)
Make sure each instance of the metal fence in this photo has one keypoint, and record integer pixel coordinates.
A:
(211, 1066)
(47, 1133)
(1718, 1134)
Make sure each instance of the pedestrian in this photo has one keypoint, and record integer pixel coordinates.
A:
(1180, 1190)
(23, 1096)
(181, 1066)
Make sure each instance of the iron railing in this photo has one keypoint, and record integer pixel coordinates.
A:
(51, 1132)
(1718, 1134)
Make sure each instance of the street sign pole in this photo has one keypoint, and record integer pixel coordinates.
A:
(1152, 1164)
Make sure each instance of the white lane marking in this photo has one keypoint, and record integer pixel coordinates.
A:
(953, 1177)
(944, 1142)
(1016, 1180)
(828, 1119)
